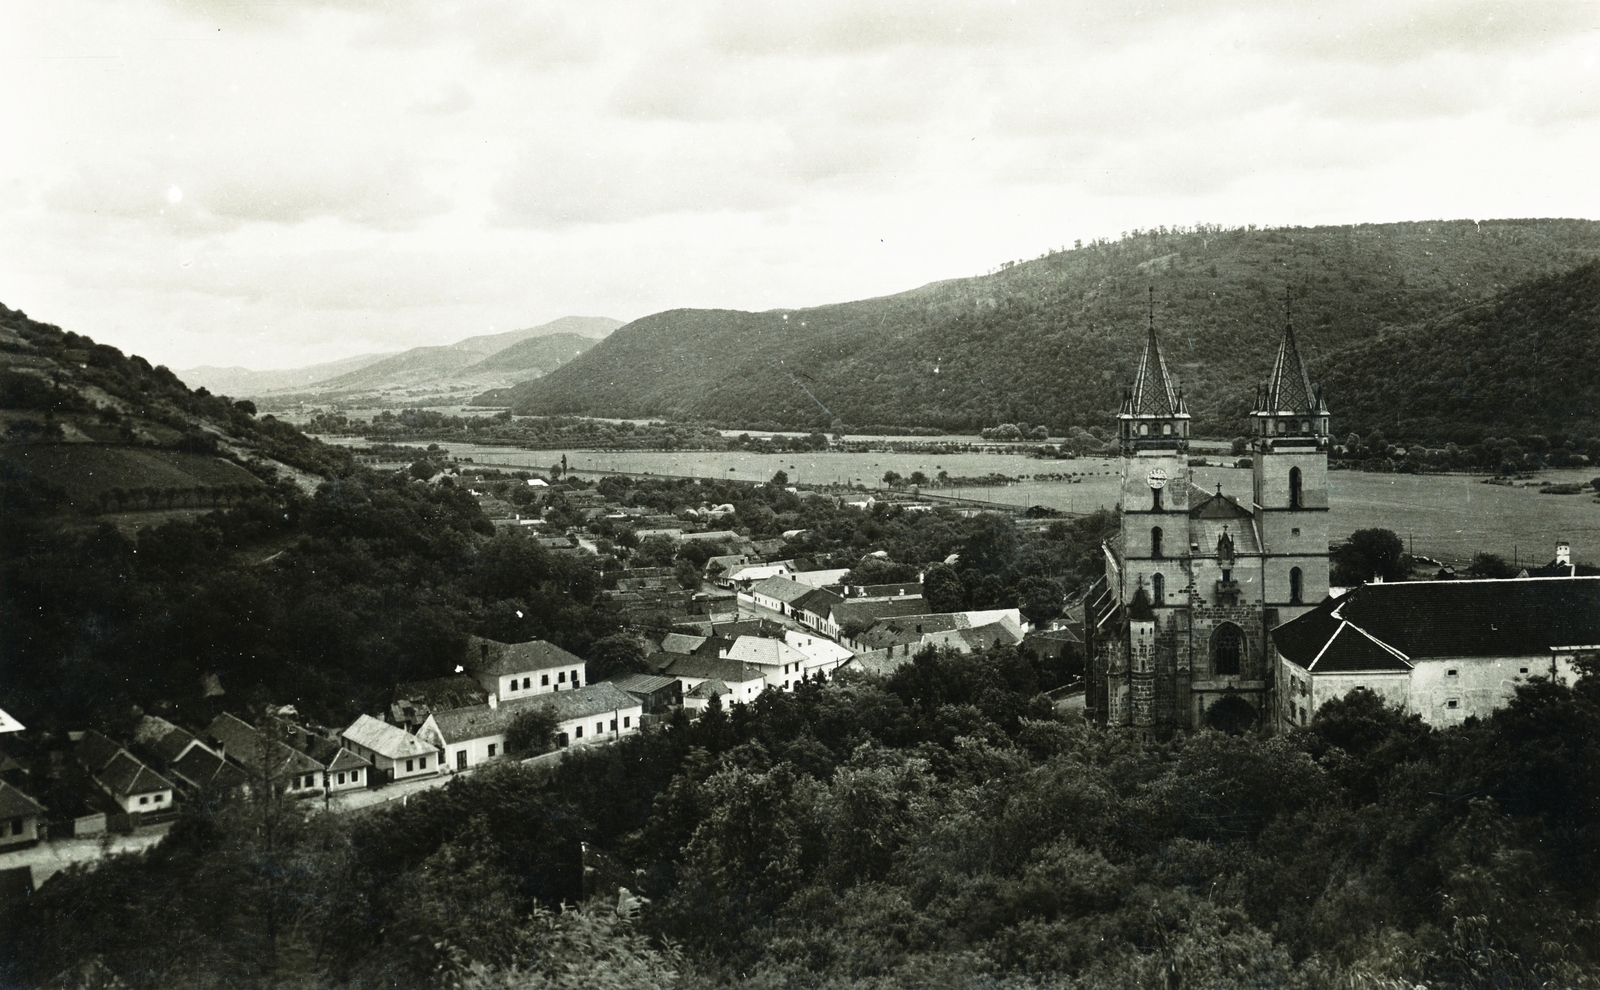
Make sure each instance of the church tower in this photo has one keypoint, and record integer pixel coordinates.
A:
(1290, 487)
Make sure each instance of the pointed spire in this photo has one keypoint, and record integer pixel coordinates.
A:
(1290, 388)
(1153, 392)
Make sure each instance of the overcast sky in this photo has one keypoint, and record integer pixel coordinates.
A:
(275, 184)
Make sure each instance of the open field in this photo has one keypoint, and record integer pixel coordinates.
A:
(1448, 517)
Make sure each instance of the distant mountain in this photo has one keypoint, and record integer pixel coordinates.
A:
(1053, 340)
(1525, 361)
(244, 382)
(448, 372)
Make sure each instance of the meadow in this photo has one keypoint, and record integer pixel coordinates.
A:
(1448, 517)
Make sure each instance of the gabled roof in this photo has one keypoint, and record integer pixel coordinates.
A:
(15, 804)
(782, 589)
(499, 659)
(1216, 505)
(418, 698)
(709, 689)
(819, 602)
(125, 776)
(94, 751)
(386, 740)
(1447, 619)
(681, 642)
(763, 651)
(866, 613)
(713, 668)
(348, 760)
(640, 683)
(164, 739)
(204, 769)
(585, 702)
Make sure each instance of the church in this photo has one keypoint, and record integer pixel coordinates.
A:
(1178, 631)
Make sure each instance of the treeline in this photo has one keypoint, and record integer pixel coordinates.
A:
(1500, 455)
(944, 826)
(531, 432)
(1054, 340)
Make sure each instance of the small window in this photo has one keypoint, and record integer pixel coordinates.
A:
(144, 800)
(577, 732)
(1155, 542)
(613, 725)
(1452, 672)
(1295, 586)
(627, 720)
(422, 764)
(1166, 429)
(355, 776)
(410, 765)
(1524, 670)
(1144, 429)
(1295, 531)
(158, 798)
(574, 678)
(599, 727)
(491, 749)
(562, 677)
(1452, 703)
(544, 680)
(16, 826)
(341, 778)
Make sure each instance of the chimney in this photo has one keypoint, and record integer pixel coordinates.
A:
(1563, 553)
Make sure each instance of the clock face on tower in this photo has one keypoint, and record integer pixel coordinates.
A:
(1157, 478)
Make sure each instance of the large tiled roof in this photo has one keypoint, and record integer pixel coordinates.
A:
(15, 804)
(386, 740)
(866, 613)
(164, 739)
(477, 723)
(586, 701)
(1446, 619)
(640, 683)
(499, 659)
(205, 769)
(125, 776)
(714, 668)
(245, 744)
(95, 751)
(781, 588)
(818, 602)
(455, 691)
(761, 650)
(681, 642)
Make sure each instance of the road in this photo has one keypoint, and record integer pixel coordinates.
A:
(50, 858)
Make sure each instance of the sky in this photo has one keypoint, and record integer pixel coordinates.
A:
(282, 183)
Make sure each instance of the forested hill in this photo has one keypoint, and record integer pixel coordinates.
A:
(1053, 340)
(1527, 360)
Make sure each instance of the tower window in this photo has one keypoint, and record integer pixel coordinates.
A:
(1155, 500)
(1144, 429)
(1305, 427)
(1295, 589)
(1283, 427)
(1227, 646)
(1294, 488)
(1158, 590)
(1155, 542)
(1166, 429)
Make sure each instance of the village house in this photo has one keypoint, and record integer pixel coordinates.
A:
(658, 694)
(781, 664)
(472, 736)
(133, 786)
(776, 593)
(395, 754)
(822, 656)
(190, 763)
(743, 681)
(1446, 650)
(19, 817)
(264, 758)
(820, 579)
(699, 699)
(509, 671)
(852, 618)
(413, 701)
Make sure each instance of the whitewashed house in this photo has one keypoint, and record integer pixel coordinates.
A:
(19, 817)
(394, 753)
(510, 671)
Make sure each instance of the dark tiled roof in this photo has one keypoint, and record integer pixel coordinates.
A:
(455, 691)
(125, 776)
(866, 613)
(95, 751)
(640, 683)
(782, 589)
(205, 769)
(15, 804)
(713, 668)
(164, 739)
(818, 602)
(1216, 505)
(499, 659)
(1446, 619)
(681, 642)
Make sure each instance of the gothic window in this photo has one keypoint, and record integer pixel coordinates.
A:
(1158, 590)
(1166, 429)
(1294, 586)
(1283, 426)
(1155, 541)
(1155, 499)
(1294, 488)
(1144, 429)
(1305, 427)
(1227, 645)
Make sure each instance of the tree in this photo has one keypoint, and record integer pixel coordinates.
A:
(781, 478)
(616, 654)
(687, 574)
(918, 479)
(1490, 565)
(942, 589)
(1039, 599)
(1369, 554)
(532, 731)
(892, 479)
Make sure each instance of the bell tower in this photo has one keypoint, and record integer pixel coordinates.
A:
(1290, 423)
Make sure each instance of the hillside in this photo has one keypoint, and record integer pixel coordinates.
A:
(444, 372)
(1053, 340)
(88, 430)
(1526, 360)
(244, 382)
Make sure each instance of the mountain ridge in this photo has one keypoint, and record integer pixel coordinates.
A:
(1054, 339)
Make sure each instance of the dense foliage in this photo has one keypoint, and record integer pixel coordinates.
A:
(1054, 339)
(944, 826)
